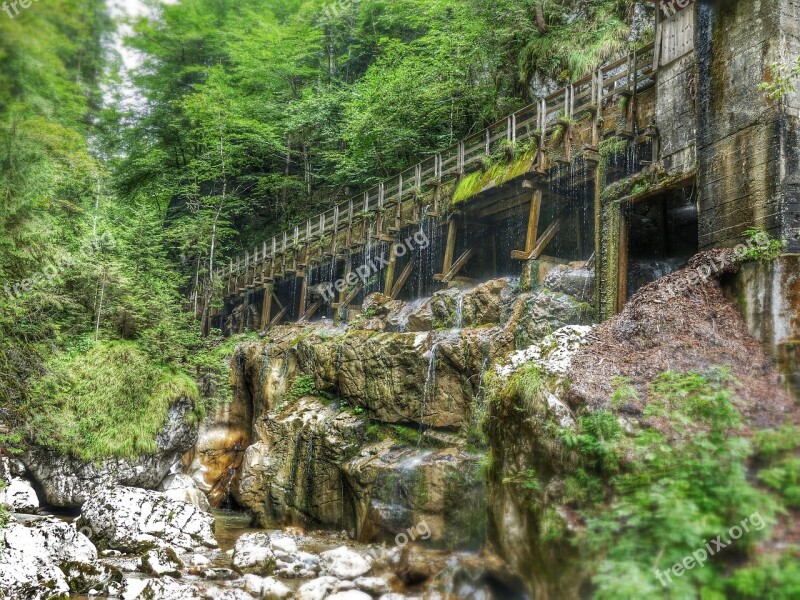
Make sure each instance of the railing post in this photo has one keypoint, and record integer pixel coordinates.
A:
(461, 158)
(488, 142)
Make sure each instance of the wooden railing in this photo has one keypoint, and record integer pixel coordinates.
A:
(535, 122)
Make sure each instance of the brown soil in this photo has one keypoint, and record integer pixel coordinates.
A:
(669, 326)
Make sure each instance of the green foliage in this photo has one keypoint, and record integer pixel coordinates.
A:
(624, 392)
(650, 496)
(774, 577)
(783, 80)
(527, 480)
(408, 436)
(761, 246)
(770, 443)
(111, 401)
(303, 386)
(784, 476)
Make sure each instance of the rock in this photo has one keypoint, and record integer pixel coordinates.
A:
(226, 594)
(416, 566)
(267, 588)
(392, 596)
(573, 280)
(133, 520)
(32, 552)
(198, 560)
(134, 587)
(68, 481)
(253, 554)
(162, 561)
(19, 496)
(350, 595)
(372, 585)
(183, 488)
(169, 589)
(99, 578)
(318, 589)
(538, 314)
(343, 563)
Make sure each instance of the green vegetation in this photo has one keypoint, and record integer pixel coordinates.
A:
(674, 483)
(783, 80)
(111, 401)
(760, 246)
(303, 386)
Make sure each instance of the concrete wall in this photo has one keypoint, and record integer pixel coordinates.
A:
(747, 145)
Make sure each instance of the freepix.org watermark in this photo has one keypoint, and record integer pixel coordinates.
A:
(699, 557)
(15, 6)
(57, 266)
(671, 7)
(419, 241)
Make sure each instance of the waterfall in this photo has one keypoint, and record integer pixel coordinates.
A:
(460, 311)
(430, 385)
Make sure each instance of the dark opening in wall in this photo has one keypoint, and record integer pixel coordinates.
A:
(661, 236)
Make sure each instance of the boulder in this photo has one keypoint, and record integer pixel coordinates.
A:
(318, 589)
(343, 563)
(133, 520)
(69, 481)
(19, 496)
(162, 561)
(170, 589)
(266, 588)
(93, 579)
(373, 585)
(253, 553)
(32, 553)
(184, 488)
(350, 595)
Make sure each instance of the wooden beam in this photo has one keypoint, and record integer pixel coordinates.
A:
(350, 296)
(450, 248)
(301, 303)
(401, 281)
(312, 310)
(547, 236)
(457, 266)
(266, 307)
(389, 283)
(533, 221)
(279, 316)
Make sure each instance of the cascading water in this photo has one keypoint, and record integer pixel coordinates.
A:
(430, 385)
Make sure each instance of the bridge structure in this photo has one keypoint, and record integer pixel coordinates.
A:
(626, 172)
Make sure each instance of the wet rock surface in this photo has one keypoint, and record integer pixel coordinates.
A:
(68, 482)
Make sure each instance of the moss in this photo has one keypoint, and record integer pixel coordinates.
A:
(303, 386)
(111, 401)
(496, 174)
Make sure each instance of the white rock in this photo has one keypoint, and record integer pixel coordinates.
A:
(198, 560)
(350, 595)
(253, 553)
(19, 496)
(162, 561)
(267, 588)
(32, 552)
(392, 596)
(343, 563)
(373, 585)
(169, 589)
(132, 520)
(216, 593)
(317, 589)
(134, 587)
(183, 488)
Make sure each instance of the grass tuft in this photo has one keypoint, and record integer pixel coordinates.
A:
(110, 402)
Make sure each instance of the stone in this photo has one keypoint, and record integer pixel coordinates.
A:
(69, 482)
(350, 595)
(32, 552)
(317, 589)
(19, 496)
(226, 594)
(267, 588)
(133, 520)
(93, 579)
(343, 563)
(254, 554)
(183, 488)
(162, 561)
(198, 560)
(373, 585)
(169, 589)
